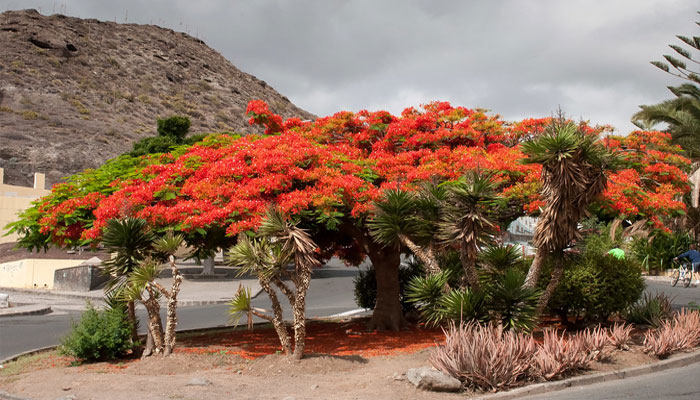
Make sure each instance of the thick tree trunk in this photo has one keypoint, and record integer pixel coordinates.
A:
(551, 287)
(388, 314)
(533, 275)
(208, 266)
(425, 255)
(469, 266)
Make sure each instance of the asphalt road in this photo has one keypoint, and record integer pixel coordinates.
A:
(330, 293)
(680, 296)
(676, 384)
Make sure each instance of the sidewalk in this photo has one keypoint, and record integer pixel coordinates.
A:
(192, 293)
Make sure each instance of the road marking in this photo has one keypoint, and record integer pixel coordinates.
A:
(349, 313)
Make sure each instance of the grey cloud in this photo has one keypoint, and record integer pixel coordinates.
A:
(518, 57)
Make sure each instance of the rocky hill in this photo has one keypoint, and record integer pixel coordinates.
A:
(76, 92)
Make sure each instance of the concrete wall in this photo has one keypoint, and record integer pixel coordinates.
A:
(32, 273)
(14, 199)
(82, 278)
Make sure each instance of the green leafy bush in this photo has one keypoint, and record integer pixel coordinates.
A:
(100, 335)
(597, 286)
(366, 285)
(175, 127)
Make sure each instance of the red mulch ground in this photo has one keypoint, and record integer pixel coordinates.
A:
(332, 338)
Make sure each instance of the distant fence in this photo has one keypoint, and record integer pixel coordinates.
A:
(14, 199)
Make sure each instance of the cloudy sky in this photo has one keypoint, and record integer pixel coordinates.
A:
(518, 58)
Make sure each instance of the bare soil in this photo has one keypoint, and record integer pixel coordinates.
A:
(233, 367)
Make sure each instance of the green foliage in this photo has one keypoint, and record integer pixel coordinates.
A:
(650, 310)
(657, 253)
(596, 285)
(366, 285)
(498, 258)
(514, 305)
(240, 305)
(100, 335)
(425, 292)
(130, 242)
(153, 145)
(463, 305)
(175, 127)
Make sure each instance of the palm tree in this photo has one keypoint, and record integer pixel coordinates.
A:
(682, 116)
(129, 241)
(574, 167)
(466, 222)
(280, 242)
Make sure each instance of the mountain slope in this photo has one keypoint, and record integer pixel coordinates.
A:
(76, 92)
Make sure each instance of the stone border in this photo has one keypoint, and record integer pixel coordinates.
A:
(584, 380)
(33, 309)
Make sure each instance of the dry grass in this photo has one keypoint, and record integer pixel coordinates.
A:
(558, 356)
(680, 333)
(620, 336)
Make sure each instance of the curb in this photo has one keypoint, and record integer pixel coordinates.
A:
(183, 303)
(7, 396)
(29, 310)
(584, 380)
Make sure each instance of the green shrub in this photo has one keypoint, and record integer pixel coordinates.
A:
(425, 292)
(596, 285)
(366, 285)
(463, 305)
(151, 145)
(656, 253)
(175, 127)
(100, 335)
(649, 310)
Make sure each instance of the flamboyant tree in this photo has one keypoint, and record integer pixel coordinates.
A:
(326, 174)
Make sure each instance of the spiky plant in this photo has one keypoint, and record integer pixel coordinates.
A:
(513, 304)
(500, 257)
(425, 293)
(574, 172)
(465, 220)
(280, 241)
(398, 220)
(463, 305)
(129, 241)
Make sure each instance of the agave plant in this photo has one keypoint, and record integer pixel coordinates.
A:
(498, 258)
(463, 305)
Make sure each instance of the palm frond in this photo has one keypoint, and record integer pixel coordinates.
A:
(240, 306)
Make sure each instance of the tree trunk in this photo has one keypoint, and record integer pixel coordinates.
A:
(425, 255)
(131, 317)
(277, 320)
(208, 266)
(154, 323)
(387, 314)
(551, 287)
(171, 322)
(299, 308)
(469, 266)
(533, 275)
(148, 350)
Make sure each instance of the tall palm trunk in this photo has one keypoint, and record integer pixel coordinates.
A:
(277, 320)
(557, 274)
(131, 317)
(154, 323)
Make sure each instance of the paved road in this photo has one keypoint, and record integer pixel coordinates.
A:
(681, 297)
(330, 293)
(676, 384)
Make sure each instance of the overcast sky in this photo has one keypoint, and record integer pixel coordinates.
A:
(518, 58)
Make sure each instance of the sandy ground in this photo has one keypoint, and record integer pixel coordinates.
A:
(231, 377)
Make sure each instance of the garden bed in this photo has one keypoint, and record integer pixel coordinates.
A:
(342, 361)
